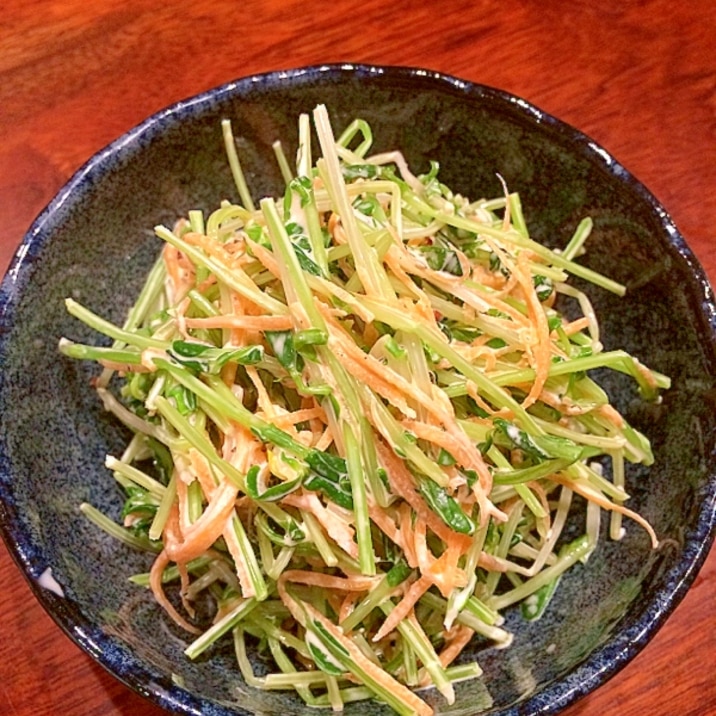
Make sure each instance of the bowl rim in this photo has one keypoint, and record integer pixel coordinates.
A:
(605, 661)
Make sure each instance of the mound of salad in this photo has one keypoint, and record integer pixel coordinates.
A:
(360, 423)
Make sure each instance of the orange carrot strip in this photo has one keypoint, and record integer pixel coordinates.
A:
(325, 440)
(593, 495)
(404, 607)
(355, 583)
(611, 414)
(155, 583)
(457, 643)
(458, 446)
(424, 556)
(575, 326)
(368, 370)
(203, 472)
(265, 257)
(207, 529)
(384, 523)
(444, 572)
(407, 535)
(180, 276)
(228, 373)
(263, 399)
(250, 323)
(229, 254)
(392, 260)
(402, 483)
(540, 350)
(454, 440)
(299, 416)
(489, 278)
(347, 606)
(172, 535)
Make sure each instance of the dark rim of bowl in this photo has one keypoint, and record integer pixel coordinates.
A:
(606, 660)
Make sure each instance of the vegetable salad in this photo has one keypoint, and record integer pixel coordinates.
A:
(360, 423)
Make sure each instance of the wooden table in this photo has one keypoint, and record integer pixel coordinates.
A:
(639, 77)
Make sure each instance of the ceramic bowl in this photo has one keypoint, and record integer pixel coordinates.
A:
(94, 242)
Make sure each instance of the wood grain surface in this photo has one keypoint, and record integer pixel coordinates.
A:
(638, 76)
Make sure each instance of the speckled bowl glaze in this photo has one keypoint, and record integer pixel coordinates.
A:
(95, 242)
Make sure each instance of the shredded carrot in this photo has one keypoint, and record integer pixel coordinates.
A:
(202, 471)
(324, 440)
(244, 322)
(229, 253)
(199, 536)
(180, 271)
(444, 572)
(385, 523)
(611, 415)
(403, 485)
(540, 348)
(264, 400)
(589, 493)
(356, 583)
(265, 257)
(456, 643)
(300, 416)
(155, 583)
(404, 607)
(572, 327)
(407, 535)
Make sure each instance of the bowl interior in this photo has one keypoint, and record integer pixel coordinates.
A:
(95, 243)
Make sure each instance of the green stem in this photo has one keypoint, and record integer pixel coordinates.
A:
(117, 531)
(236, 615)
(235, 165)
(109, 329)
(356, 475)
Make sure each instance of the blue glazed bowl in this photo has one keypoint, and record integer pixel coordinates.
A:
(94, 242)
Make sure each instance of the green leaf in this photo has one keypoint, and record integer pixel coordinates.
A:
(446, 507)
(184, 399)
(351, 172)
(398, 573)
(543, 287)
(323, 660)
(445, 458)
(536, 447)
(139, 500)
(301, 245)
(281, 343)
(203, 358)
(509, 435)
(257, 234)
(338, 492)
(328, 638)
(293, 534)
(258, 490)
(328, 465)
